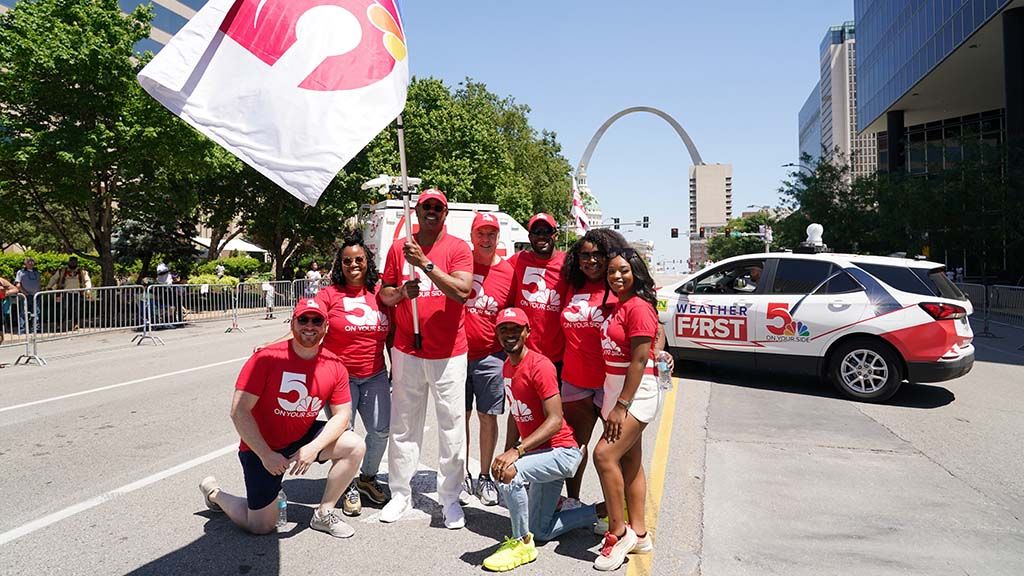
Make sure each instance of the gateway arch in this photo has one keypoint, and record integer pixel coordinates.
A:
(581, 169)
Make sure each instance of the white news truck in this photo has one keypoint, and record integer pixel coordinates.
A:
(384, 222)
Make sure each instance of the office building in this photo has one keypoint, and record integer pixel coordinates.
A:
(710, 206)
(810, 125)
(938, 76)
(833, 125)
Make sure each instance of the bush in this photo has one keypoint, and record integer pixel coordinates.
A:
(47, 263)
(238, 266)
(213, 279)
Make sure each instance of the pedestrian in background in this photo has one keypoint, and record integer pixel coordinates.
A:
(6, 289)
(29, 282)
(69, 304)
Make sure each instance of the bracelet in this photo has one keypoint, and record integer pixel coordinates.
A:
(519, 449)
(624, 403)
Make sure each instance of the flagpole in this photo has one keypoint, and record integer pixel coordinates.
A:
(417, 340)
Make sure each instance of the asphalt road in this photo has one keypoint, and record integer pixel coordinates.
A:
(749, 474)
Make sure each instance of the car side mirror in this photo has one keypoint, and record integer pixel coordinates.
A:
(689, 288)
(739, 284)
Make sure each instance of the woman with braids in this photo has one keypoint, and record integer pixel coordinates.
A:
(631, 398)
(588, 304)
(357, 330)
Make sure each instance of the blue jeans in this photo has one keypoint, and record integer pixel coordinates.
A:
(371, 399)
(534, 511)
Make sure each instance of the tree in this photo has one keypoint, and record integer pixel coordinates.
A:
(725, 246)
(82, 141)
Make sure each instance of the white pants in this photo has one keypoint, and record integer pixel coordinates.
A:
(411, 380)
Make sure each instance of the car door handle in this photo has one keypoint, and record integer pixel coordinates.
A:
(838, 305)
(744, 303)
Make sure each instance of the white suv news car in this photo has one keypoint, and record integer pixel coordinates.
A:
(866, 323)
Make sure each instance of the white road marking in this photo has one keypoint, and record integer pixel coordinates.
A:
(122, 384)
(49, 519)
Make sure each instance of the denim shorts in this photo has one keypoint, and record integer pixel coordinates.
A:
(572, 393)
(261, 487)
(484, 381)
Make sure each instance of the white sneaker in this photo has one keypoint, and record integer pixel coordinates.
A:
(614, 550)
(332, 524)
(454, 517)
(644, 545)
(394, 509)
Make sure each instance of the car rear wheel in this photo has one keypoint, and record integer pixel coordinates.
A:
(866, 370)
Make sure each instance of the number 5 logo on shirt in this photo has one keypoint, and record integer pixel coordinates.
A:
(541, 295)
(367, 317)
(292, 382)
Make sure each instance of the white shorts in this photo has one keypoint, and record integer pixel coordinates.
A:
(645, 402)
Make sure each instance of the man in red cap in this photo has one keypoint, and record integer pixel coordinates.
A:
(539, 450)
(492, 285)
(437, 364)
(539, 289)
(278, 395)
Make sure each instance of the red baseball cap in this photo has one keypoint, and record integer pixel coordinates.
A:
(309, 306)
(432, 194)
(542, 217)
(512, 316)
(484, 219)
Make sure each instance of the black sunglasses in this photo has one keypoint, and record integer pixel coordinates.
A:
(542, 232)
(627, 253)
(306, 319)
(596, 256)
(432, 207)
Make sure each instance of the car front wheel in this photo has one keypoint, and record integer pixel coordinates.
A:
(866, 370)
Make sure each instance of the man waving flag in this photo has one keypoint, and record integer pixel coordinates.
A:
(294, 88)
(581, 222)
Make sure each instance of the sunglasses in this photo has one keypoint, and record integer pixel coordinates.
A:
(596, 256)
(351, 261)
(543, 232)
(306, 319)
(432, 207)
(627, 253)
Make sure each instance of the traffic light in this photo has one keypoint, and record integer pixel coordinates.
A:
(615, 223)
(735, 233)
(701, 231)
(675, 232)
(646, 221)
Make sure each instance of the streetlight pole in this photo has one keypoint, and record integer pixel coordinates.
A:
(801, 166)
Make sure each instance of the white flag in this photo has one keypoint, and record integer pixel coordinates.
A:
(581, 222)
(294, 88)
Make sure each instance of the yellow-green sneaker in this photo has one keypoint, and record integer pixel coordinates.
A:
(513, 553)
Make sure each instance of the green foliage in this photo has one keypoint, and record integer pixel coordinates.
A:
(239, 266)
(46, 262)
(725, 246)
(213, 279)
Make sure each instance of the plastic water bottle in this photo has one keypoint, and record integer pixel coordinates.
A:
(282, 510)
(664, 374)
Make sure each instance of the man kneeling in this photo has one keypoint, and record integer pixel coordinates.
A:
(279, 393)
(540, 450)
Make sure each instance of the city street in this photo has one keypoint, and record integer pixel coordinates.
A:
(754, 474)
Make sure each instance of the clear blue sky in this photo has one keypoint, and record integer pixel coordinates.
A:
(734, 74)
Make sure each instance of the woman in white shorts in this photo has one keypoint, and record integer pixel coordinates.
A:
(631, 398)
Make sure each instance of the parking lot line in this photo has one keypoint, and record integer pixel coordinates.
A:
(70, 511)
(640, 564)
(121, 385)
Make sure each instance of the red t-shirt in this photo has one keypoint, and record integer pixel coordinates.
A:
(526, 387)
(291, 391)
(441, 318)
(492, 286)
(581, 324)
(539, 290)
(358, 327)
(635, 317)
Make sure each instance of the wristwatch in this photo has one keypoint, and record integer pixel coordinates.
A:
(520, 450)
(625, 403)
(429, 267)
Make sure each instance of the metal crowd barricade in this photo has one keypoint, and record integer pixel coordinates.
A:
(978, 295)
(15, 325)
(265, 298)
(1006, 305)
(165, 306)
(63, 314)
(304, 288)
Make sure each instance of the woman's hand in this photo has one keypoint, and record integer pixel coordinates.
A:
(613, 424)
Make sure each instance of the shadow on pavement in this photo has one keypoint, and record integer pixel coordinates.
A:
(924, 396)
(223, 549)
